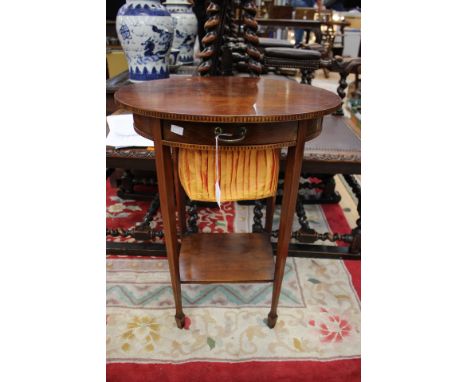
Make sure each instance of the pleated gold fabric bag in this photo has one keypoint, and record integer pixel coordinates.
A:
(244, 174)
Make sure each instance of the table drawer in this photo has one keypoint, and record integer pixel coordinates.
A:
(187, 134)
(242, 134)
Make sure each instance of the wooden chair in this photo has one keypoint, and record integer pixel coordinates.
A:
(307, 61)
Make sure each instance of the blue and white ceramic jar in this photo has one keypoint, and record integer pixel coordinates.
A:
(185, 29)
(145, 29)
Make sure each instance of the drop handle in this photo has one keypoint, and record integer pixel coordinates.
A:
(222, 136)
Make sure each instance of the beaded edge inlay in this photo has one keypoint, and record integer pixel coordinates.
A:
(229, 118)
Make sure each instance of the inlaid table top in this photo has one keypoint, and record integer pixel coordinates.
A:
(227, 100)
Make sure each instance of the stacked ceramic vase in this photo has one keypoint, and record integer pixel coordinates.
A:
(148, 31)
(185, 29)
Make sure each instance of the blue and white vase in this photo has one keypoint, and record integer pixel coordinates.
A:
(145, 29)
(185, 29)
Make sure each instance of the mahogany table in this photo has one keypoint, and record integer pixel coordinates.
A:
(267, 112)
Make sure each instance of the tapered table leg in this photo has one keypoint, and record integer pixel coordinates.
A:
(164, 172)
(288, 207)
(179, 192)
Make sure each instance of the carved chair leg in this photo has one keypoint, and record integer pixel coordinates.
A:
(193, 217)
(310, 76)
(258, 214)
(307, 75)
(355, 246)
(327, 184)
(341, 91)
(126, 185)
(153, 208)
(143, 230)
(301, 214)
(329, 189)
(109, 172)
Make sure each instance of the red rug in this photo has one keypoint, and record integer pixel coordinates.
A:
(125, 214)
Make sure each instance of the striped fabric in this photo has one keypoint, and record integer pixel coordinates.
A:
(244, 174)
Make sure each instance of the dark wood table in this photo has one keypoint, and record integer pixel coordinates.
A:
(271, 113)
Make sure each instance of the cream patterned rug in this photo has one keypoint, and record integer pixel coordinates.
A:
(319, 312)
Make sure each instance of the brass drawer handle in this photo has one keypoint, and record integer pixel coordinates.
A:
(221, 135)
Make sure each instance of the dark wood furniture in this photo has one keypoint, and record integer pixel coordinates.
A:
(260, 106)
(307, 61)
(277, 54)
(343, 66)
(308, 25)
(230, 43)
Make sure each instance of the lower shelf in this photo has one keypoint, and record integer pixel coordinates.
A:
(226, 258)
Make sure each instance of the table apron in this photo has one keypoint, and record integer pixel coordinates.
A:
(202, 135)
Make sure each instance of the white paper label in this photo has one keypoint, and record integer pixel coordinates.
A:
(217, 188)
(177, 130)
(218, 194)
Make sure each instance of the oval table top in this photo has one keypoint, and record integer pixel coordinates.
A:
(227, 100)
